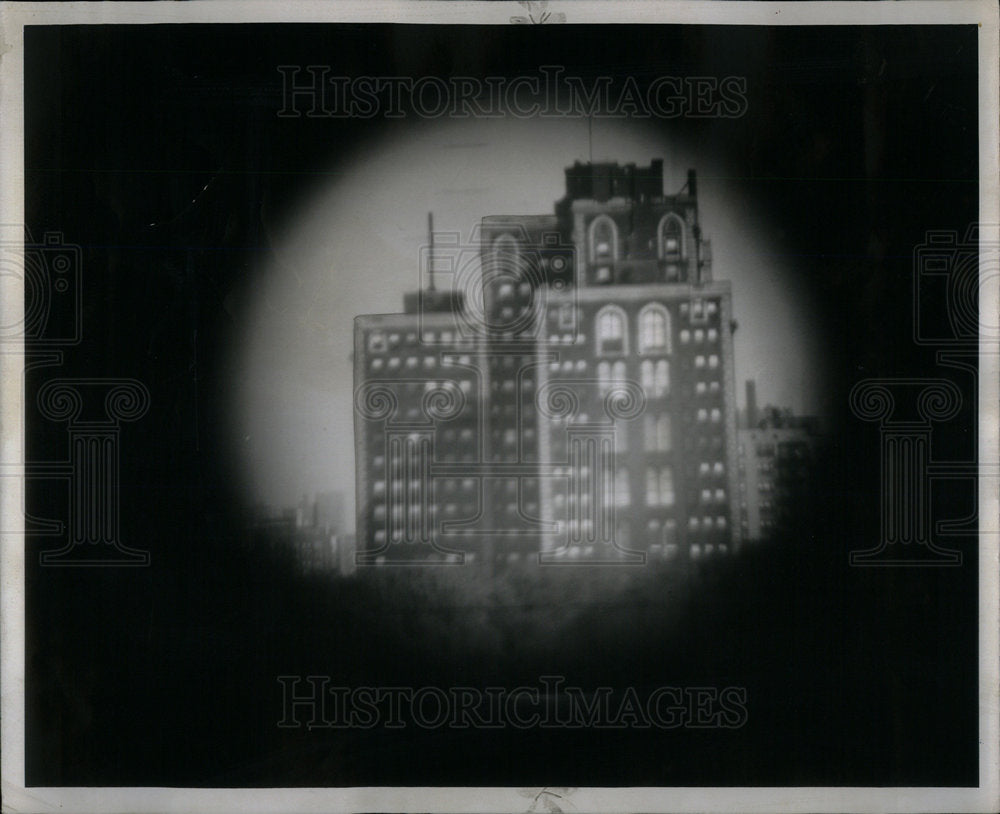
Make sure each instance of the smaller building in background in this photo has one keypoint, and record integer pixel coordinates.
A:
(777, 463)
(309, 536)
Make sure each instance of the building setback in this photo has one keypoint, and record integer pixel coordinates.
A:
(596, 419)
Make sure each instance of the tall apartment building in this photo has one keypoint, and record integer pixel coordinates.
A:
(597, 420)
(419, 433)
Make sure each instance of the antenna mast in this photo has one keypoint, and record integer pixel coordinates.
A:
(430, 252)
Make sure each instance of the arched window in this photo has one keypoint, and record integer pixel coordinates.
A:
(603, 240)
(506, 252)
(654, 329)
(611, 331)
(670, 237)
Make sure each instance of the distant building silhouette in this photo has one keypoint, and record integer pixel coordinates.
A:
(777, 459)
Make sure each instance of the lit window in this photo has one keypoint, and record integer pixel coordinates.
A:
(506, 291)
(713, 361)
(703, 414)
(685, 336)
(699, 335)
(376, 364)
(505, 254)
(659, 486)
(697, 311)
(666, 486)
(621, 436)
(663, 433)
(652, 487)
(603, 375)
(662, 380)
(670, 236)
(376, 343)
(611, 338)
(567, 319)
(718, 468)
(704, 468)
(700, 388)
(622, 496)
(646, 374)
(706, 495)
(699, 361)
(716, 415)
(720, 495)
(603, 239)
(654, 329)
(618, 372)
(713, 335)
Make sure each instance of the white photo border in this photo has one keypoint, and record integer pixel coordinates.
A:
(13, 18)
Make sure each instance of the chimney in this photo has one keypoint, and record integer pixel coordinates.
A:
(692, 183)
(430, 250)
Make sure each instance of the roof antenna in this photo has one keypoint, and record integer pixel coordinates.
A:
(430, 252)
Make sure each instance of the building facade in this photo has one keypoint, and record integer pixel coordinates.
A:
(595, 418)
(777, 465)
